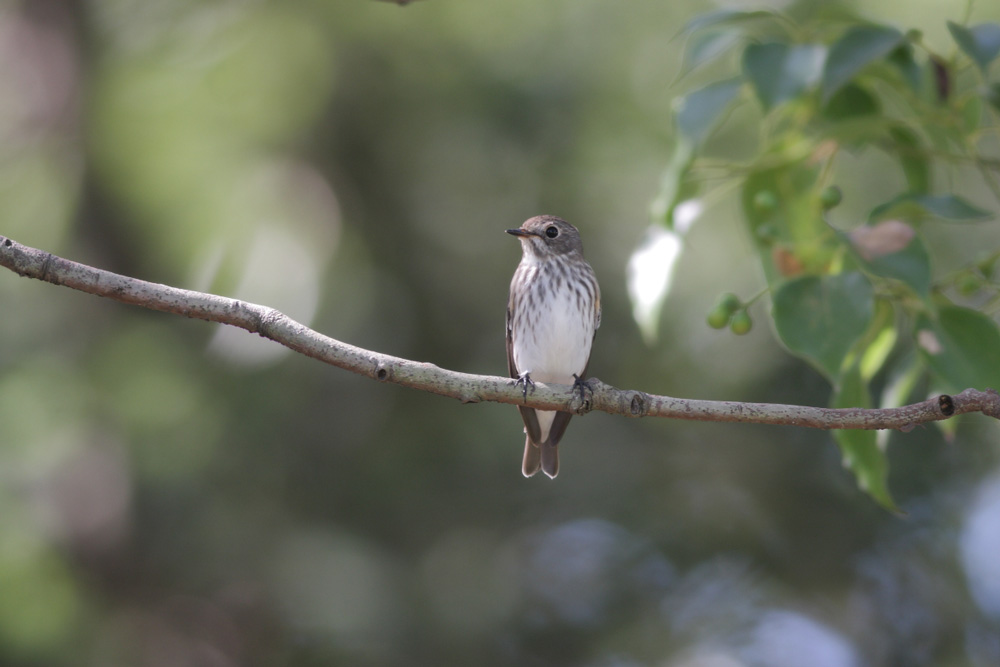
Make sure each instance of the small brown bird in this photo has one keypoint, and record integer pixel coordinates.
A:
(553, 313)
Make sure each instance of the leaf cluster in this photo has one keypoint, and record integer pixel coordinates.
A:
(862, 305)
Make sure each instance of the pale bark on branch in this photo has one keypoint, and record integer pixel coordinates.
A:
(466, 387)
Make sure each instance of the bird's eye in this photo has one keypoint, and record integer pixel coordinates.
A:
(552, 231)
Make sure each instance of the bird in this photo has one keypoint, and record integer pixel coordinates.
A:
(553, 312)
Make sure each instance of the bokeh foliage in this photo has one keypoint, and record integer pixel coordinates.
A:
(855, 301)
(174, 493)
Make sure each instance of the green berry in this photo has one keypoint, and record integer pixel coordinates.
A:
(730, 303)
(741, 323)
(727, 304)
(718, 318)
(830, 197)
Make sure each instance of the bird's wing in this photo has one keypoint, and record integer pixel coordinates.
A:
(511, 366)
(597, 310)
(527, 414)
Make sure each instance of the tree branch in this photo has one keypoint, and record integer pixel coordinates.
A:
(468, 388)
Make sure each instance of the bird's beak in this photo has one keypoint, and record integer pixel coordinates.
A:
(521, 232)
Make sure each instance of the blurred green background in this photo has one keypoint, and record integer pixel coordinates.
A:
(176, 493)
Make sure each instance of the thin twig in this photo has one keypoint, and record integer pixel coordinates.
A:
(465, 387)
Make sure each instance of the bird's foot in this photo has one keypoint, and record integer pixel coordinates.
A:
(525, 381)
(586, 393)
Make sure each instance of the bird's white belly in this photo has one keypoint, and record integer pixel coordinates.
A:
(557, 346)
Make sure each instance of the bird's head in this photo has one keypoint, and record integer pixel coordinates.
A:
(546, 236)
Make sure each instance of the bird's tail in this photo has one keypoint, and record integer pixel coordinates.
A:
(532, 458)
(550, 459)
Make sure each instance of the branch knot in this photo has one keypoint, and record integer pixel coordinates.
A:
(639, 405)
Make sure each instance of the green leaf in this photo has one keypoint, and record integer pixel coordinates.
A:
(880, 341)
(981, 43)
(912, 159)
(780, 72)
(972, 113)
(953, 207)
(724, 16)
(698, 112)
(859, 47)
(902, 58)
(962, 348)
(706, 47)
(917, 206)
(909, 264)
(912, 206)
(861, 452)
(820, 318)
(902, 381)
(851, 101)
